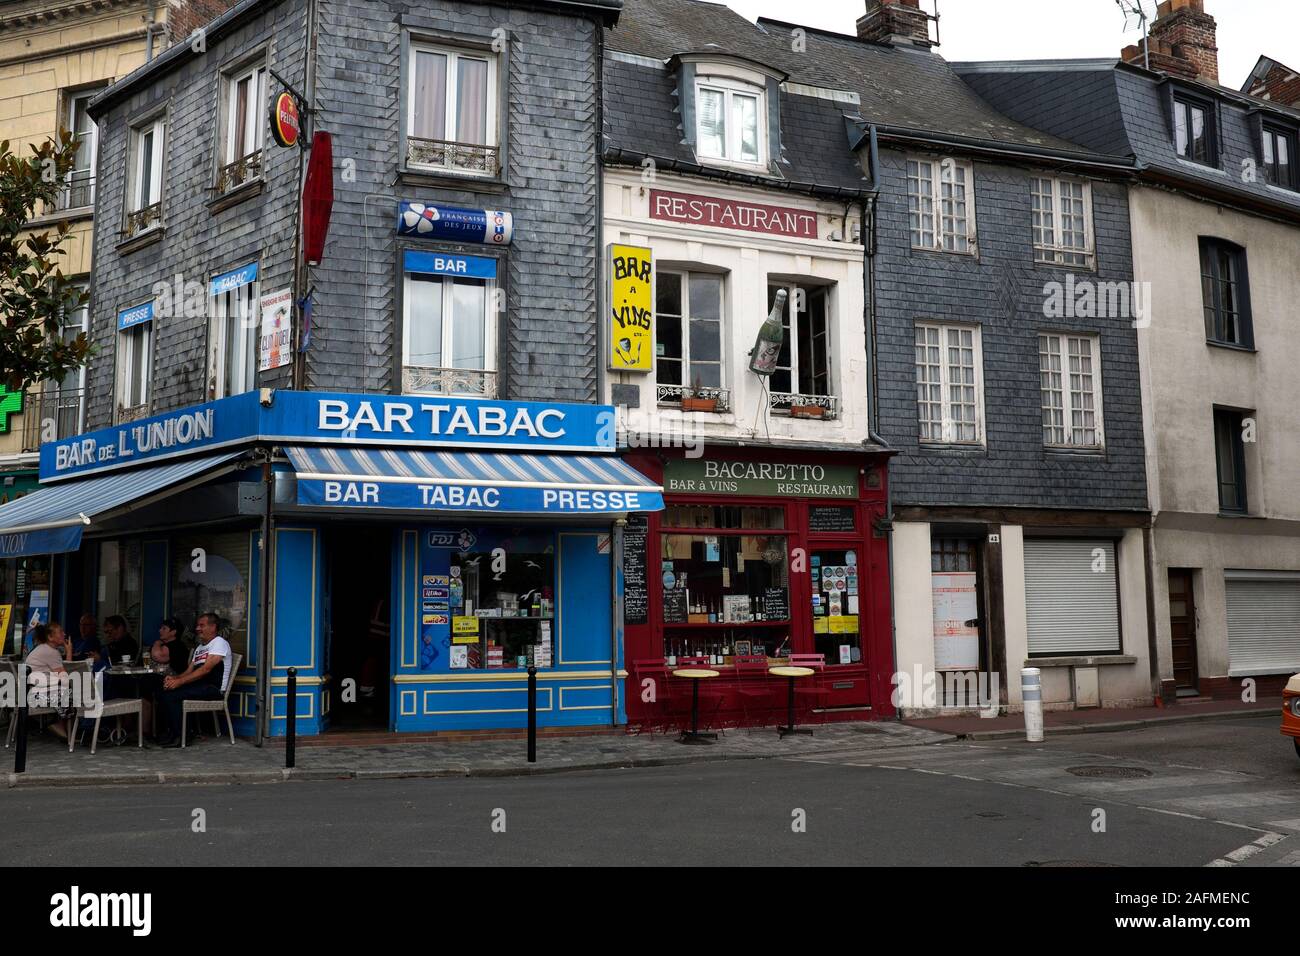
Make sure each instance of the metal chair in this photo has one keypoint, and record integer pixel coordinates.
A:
(108, 708)
(753, 686)
(214, 707)
(812, 690)
(659, 714)
(21, 687)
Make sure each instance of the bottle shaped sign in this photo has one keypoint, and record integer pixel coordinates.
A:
(771, 336)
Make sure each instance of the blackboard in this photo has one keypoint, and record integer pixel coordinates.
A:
(675, 607)
(636, 594)
(776, 604)
(830, 518)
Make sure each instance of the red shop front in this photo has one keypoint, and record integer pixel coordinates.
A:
(769, 552)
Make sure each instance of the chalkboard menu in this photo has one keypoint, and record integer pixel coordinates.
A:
(675, 610)
(636, 594)
(776, 604)
(830, 518)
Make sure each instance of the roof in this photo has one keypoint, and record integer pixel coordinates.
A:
(1263, 66)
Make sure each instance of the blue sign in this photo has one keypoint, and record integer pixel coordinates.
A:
(234, 279)
(490, 227)
(136, 315)
(488, 498)
(440, 264)
(333, 418)
(47, 541)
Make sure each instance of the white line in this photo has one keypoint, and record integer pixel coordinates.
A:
(1243, 853)
(1172, 813)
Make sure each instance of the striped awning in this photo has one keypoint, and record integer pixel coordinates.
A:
(51, 521)
(490, 482)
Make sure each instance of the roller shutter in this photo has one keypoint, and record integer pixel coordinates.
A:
(1071, 596)
(1263, 622)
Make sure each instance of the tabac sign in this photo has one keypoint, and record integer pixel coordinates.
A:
(631, 302)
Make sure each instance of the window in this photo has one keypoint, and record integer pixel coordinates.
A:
(144, 196)
(244, 127)
(1069, 383)
(222, 586)
(1193, 131)
(948, 384)
(940, 205)
(1280, 158)
(70, 396)
(448, 337)
(729, 121)
(514, 606)
(451, 120)
(688, 337)
(1230, 460)
(1225, 292)
(803, 367)
(232, 335)
(1071, 597)
(134, 371)
(1062, 221)
(80, 189)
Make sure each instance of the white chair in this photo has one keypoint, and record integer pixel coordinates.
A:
(31, 711)
(108, 708)
(214, 707)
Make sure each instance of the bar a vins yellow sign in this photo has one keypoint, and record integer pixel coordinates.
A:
(631, 302)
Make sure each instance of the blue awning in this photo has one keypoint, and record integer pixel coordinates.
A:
(489, 482)
(50, 521)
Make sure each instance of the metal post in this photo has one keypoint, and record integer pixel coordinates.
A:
(1031, 691)
(532, 714)
(20, 744)
(291, 719)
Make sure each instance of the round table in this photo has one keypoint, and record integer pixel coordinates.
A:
(792, 673)
(695, 675)
(117, 735)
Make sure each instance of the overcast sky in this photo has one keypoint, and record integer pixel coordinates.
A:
(1048, 29)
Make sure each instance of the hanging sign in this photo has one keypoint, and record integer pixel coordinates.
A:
(317, 203)
(275, 346)
(631, 301)
(490, 227)
(286, 125)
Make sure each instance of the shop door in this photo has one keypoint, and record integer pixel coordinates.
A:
(838, 612)
(955, 597)
(1182, 632)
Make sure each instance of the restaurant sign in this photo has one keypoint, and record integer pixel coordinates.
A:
(732, 214)
(760, 479)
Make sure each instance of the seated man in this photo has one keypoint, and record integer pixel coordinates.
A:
(86, 647)
(205, 679)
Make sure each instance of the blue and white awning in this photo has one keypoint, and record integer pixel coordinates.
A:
(470, 481)
(50, 521)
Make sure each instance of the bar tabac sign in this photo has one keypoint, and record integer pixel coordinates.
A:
(631, 303)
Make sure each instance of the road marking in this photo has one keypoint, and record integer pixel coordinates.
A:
(1243, 853)
(1284, 824)
(1172, 813)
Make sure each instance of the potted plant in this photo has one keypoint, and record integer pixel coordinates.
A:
(807, 411)
(697, 401)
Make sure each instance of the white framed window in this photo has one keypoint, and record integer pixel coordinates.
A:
(451, 110)
(688, 332)
(949, 383)
(804, 365)
(144, 190)
(245, 122)
(448, 336)
(70, 402)
(1062, 221)
(1069, 369)
(730, 121)
(941, 204)
(80, 190)
(134, 371)
(232, 334)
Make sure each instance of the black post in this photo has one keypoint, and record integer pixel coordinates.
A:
(532, 714)
(291, 719)
(20, 745)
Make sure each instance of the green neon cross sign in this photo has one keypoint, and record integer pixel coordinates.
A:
(11, 403)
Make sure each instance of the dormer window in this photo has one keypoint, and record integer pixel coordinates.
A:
(1194, 131)
(1280, 158)
(730, 120)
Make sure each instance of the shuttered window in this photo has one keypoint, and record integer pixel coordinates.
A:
(1071, 596)
(1263, 622)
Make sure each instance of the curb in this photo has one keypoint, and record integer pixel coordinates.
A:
(1113, 726)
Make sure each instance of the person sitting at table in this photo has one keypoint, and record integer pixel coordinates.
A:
(119, 644)
(205, 679)
(47, 679)
(85, 646)
(169, 650)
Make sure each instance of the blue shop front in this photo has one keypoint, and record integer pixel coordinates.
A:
(409, 556)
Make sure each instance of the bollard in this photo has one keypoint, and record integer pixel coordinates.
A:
(532, 715)
(1031, 690)
(291, 719)
(20, 743)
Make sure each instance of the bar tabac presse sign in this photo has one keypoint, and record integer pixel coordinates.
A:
(631, 302)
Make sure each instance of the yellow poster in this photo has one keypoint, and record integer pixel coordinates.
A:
(6, 610)
(819, 625)
(464, 626)
(844, 624)
(631, 302)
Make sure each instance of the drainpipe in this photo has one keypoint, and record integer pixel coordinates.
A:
(616, 557)
(263, 721)
(152, 28)
(602, 346)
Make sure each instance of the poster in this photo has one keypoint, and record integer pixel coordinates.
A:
(6, 611)
(956, 608)
(459, 657)
(631, 300)
(38, 608)
(275, 346)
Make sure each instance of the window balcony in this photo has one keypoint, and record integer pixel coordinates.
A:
(142, 220)
(795, 405)
(241, 171)
(692, 399)
(77, 193)
(454, 157)
(53, 414)
(425, 380)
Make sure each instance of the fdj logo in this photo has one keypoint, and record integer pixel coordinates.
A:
(449, 539)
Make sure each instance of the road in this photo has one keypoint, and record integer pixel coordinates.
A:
(1223, 792)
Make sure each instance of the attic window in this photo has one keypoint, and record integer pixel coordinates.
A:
(731, 119)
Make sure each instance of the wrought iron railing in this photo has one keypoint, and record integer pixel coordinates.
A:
(692, 399)
(803, 406)
(417, 380)
(143, 219)
(445, 154)
(77, 193)
(243, 170)
(52, 414)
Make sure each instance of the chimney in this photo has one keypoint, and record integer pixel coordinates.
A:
(1280, 84)
(896, 21)
(1183, 41)
(186, 16)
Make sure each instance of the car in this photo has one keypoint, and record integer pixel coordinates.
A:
(1291, 711)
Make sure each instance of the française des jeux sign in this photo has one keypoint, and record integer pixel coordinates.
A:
(705, 476)
(336, 418)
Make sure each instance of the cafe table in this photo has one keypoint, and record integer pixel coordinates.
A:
(695, 675)
(792, 673)
(135, 673)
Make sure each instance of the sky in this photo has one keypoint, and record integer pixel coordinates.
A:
(1053, 29)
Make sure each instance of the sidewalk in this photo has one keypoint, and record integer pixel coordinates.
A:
(1097, 719)
(216, 761)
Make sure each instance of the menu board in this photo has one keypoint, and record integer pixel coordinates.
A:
(831, 518)
(776, 604)
(675, 610)
(636, 593)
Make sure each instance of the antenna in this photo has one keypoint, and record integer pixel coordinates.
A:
(1134, 14)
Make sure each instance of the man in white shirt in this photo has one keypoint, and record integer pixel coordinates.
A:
(206, 678)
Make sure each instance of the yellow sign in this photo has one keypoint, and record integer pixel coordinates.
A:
(844, 624)
(6, 610)
(631, 303)
(820, 626)
(464, 625)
